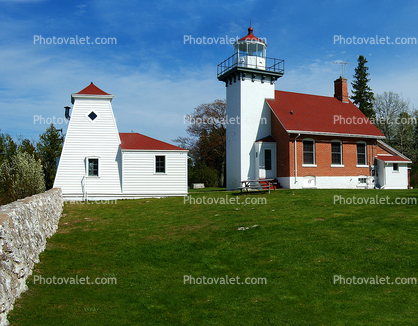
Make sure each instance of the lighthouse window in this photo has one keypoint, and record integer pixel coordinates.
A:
(92, 115)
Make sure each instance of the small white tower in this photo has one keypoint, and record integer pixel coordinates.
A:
(90, 163)
(249, 77)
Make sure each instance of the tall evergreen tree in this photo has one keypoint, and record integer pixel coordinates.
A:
(8, 147)
(362, 94)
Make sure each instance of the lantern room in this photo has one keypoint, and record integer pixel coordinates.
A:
(250, 51)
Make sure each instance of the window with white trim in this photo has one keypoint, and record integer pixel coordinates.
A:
(395, 167)
(160, 164)
(92, 167)
(361, 153)
(309, 151)
(336, 152)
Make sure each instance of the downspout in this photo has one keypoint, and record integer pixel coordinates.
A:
(372, 160)
(296, 161)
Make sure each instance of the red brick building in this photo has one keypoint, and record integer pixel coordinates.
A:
(336, 146)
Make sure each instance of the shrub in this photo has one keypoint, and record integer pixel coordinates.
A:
(201, 173)
(20, 177)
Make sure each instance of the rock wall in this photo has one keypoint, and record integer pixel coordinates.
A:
(25, 225)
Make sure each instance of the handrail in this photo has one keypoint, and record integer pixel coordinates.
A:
(270, 64)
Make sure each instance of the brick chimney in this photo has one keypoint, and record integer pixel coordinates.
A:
(340, 89)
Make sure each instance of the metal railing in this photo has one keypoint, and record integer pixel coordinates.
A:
(268, 64)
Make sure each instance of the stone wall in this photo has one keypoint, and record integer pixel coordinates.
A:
(25, 225)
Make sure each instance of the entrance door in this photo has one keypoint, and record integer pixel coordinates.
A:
(266, 164)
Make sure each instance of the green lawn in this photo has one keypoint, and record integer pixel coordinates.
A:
(302, 240)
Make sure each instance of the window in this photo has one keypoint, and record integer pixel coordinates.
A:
(362, 180)
(361, 154)
(93, 167)
(160, 164)
(308, 152)
(267, 159)
(336, 153)
(395, 167)
(92, 115)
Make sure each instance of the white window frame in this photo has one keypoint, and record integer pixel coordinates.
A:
(393, 167)
(314, 154)
(155, 164)
(87, 166)
(362, 183)
(365, 147)
(340, 165)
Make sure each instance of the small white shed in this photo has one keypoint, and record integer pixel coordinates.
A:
(99, 163)
(393, 171)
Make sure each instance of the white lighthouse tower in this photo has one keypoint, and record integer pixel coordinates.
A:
(249, 76)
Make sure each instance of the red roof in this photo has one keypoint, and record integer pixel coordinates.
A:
(135, 141)
(320, 114)
(250, 36)
(92, 90)
(268, 139)
(392, 158)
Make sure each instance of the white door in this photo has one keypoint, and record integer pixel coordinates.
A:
(266, 170)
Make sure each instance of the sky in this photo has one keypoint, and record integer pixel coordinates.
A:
(158, 74)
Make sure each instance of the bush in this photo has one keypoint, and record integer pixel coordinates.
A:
(201, 173)
(20, 177)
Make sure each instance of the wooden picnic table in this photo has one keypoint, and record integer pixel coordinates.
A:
(257, 184)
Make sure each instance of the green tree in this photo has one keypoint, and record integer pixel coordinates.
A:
(49, 150)
(207, 140)
(20, 176)
(362, 94)
(8, 147)
(25, 145)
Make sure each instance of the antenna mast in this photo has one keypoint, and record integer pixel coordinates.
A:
(343, 63)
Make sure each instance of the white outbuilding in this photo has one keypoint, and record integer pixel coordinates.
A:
(99, 163)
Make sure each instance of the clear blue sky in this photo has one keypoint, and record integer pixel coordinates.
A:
(157, 78)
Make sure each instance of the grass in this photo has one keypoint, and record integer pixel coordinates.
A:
(301, 242)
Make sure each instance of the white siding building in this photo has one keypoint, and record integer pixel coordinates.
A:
(97, 162)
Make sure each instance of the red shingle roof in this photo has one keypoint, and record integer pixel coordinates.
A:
(320, 114)
(392, 158)
(136, 141)
(92, 90)
(250, 36)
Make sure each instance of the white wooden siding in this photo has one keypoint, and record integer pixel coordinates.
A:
(139, 175)
(86, 138)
